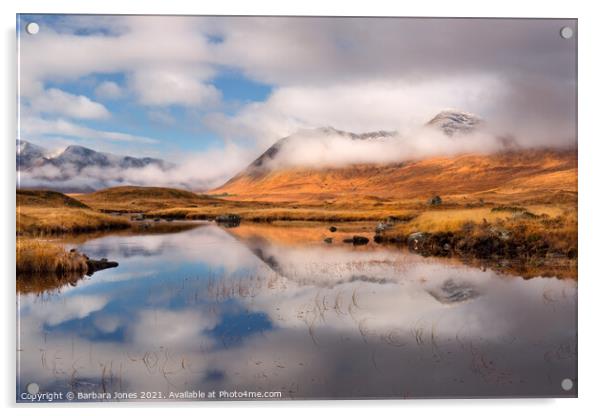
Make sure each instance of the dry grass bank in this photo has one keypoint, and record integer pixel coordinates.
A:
(48, 220)
(43, 257)
(503, 231)
(129, 199)
(48, 212)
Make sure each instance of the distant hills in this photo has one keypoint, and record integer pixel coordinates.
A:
(62, 171)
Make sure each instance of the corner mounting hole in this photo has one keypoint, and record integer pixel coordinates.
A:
(567, 384)
(566, 32)
(32, 28)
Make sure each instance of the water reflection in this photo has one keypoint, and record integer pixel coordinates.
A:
(215, 309)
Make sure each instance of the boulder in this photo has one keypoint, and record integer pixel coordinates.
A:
(228, 220)
(435, 201)
(328, 240)
(332, 229)
(416, 240)
(357, 240)
(96, 265)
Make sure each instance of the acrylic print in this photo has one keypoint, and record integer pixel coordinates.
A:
(276, 208)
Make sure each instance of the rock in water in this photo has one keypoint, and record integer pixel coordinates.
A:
(357, 240)
(97, 265)
(228, 220)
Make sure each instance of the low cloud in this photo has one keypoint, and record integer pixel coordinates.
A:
(202, 171)
(316, 150)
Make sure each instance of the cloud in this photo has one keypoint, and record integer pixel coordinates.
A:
(35, 127)
(358, 107)
(167, 87)
(126, 44)
(58, 102)
(198, 171)
(316, 149)
(108, 90)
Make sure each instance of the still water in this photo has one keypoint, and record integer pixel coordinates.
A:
(275, 311)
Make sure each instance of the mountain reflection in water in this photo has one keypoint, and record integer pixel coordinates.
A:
(214, 309)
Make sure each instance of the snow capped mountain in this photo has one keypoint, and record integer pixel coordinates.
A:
(327, 145)
(28, 154)
(31, 156)
(83, 157)
(453, 122)
(65, 170)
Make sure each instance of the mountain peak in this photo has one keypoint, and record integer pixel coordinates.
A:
(452, 122)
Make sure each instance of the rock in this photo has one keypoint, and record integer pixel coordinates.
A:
(328, 240)
(416, 240)
(73, 250)
(357, 240)
(435, 201)
(96, 265)
(379, 239)
(333, 229)
(157, 219)
(228, 220)
(137, 217)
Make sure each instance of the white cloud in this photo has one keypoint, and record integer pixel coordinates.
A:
(357, 107)
(35, 127)
(109, 90)
(58, 102)
(169, 87)
(197, 171)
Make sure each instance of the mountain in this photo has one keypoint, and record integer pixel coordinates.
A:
(29, 154)
(453, 122)
(509, 171)
(267, 161)
(68, 170)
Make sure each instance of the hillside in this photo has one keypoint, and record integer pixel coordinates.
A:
(46, 199)
(41, 212)
(142, 199)
(513, 175)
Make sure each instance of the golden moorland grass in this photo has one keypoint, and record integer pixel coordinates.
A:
(49, 220)
(35, 256)
(130, 199)
(48, 212)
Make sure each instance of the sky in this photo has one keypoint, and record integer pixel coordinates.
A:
(212, 93)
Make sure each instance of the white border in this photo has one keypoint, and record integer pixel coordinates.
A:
(590, 203)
